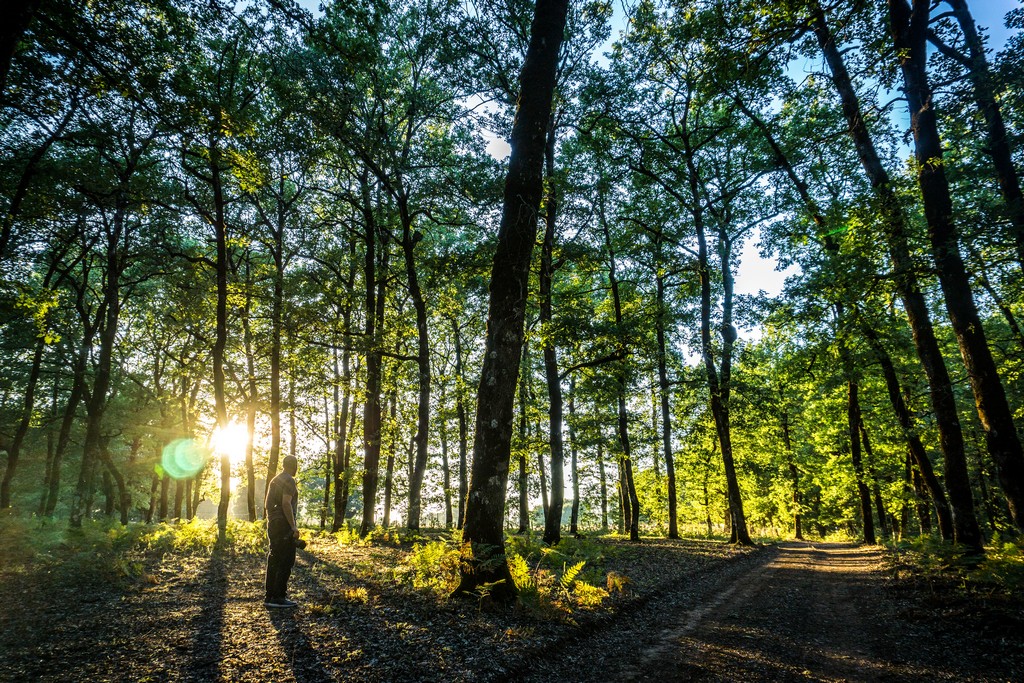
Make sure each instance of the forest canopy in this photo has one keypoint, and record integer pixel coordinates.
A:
(237, 231)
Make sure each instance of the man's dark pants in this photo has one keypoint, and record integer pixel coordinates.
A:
(280, 558)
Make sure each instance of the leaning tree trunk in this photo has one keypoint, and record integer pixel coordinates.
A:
(19, 15)
(915, 446)
(947, 420)
(484, 543)
(853, 422)
(910, 29)
(28, 407)
(998, 144)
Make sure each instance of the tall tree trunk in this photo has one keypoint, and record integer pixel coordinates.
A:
(28, 407)
(553, 510)
(389, 471)
(422, 438)
(718, 383)
(250, 412)
(109, 313)
(794, 475)
(853, 422)
(894, 222)
(446, 474)
(524, 450)
(341, 433)
(663, 395)
(574, 519)
(374, 276)
(630, 499)
(460, 412)
(604, 486)
(869, 456)
(909, 30)
(123, 498)
(347, 480)
(484, 550)
(67, 421)
(221, 338)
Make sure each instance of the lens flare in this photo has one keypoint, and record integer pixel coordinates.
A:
(184, 458)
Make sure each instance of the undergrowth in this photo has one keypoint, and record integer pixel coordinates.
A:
(551, 582)
(944, 565)
(104, 549)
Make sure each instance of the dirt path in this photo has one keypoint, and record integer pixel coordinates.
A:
(707, 612)
(811, 611)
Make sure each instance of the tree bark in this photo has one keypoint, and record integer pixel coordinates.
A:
(869, 456)
(631, 502)
(916, 448)
(940, 387)
(853, 422)
(909, 31)
(998, 145)
(553, 510)
(374, 276)
(221, 339)
(524, 435)
(14, 447)
(718, 383)
(446, 474)
(460, 412)
(19, 16)
(409, 240)
(389, 470)
(484, 550)
(604, 486)
(663, 395)
(574, 518)
(794, 475)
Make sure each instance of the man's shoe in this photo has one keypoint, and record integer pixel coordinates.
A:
(279, 602)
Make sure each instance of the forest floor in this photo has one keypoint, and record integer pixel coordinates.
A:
(692, 610)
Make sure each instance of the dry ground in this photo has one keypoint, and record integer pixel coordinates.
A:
(698, 610)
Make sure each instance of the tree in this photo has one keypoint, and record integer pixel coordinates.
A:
(484, 552)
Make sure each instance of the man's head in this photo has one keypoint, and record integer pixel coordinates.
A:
(290, 464)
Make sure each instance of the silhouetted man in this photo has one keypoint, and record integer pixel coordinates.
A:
(281, 505)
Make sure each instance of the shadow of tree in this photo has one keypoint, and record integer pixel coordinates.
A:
(207, 626)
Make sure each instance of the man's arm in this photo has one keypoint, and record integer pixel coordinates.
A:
(286, 507)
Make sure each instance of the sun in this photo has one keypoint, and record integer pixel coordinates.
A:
(231, 441)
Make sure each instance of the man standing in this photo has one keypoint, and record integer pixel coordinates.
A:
(281, 505)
